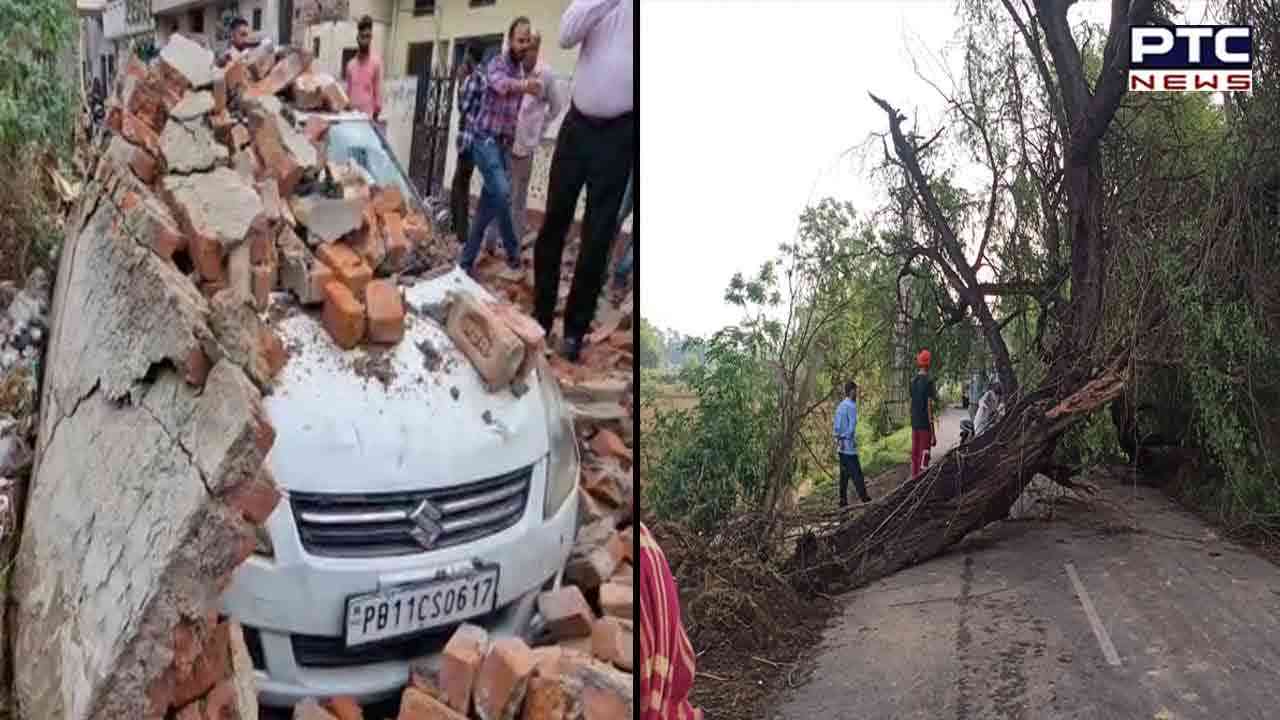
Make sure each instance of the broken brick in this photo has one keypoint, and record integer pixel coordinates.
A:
(286, 153)
(140, 133)
(236, 76)
(309, 709)
(343, 315)
(271, 347)
(416, 704)
(196, 368)
(240, 271)
(344, 708)
(206, 256)
(263, 280)
(616, 600)
(335, 97)
(256, 497)
(606, 443)
(212, 666)
(624, 575)
(319, 276)
(416, 229)
(369, 241)
(525, 328)
(295, 62)
(553, 696)
(566, 613)
(388, 199)
(493, 349)
(503, 679)
(386, 312)
(455, 677)
(347, 266)
(611, 641)
(269, 191)
(398, 247)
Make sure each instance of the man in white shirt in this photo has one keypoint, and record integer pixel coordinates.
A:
(536, 114)
(596, 147)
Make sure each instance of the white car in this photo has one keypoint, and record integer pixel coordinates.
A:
(413, 498)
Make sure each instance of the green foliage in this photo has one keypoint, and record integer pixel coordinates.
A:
(708, 461)
(36, 102)
(652, 349)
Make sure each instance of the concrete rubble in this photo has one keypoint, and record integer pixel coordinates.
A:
(148, 455)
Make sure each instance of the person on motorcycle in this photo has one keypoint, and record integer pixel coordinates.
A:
(989, 407)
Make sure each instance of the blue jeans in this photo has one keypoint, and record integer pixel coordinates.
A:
(495, 201)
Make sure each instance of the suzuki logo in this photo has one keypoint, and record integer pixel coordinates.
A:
(426, 524)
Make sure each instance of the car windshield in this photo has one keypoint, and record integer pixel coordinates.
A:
(357, 142)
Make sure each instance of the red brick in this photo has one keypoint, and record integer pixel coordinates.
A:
(321, 275)
(356, 277)
(344, 708)
(263, 278)
(388, 199)
(415, 704)
(417, 229)
(459, 664)
(566, 613)
(269, 192)
(611, 641)
(272, 349)
(262, 243)
(213, 666)
(606, 443)
(552, 697)
(138, 132)
(343, 315)
(220, 703)
(115, 118)
(616, 600)
(627, 536)
(255, 498)
(335, 255)
(191, 712)
(295, 62)
(144, 165)
(369, 242)
(503, 679)
(236, 76)
(309, 709)
(494, 351)
(386, 312)
(525, 328)
(335, 97)
(197, 367)
(398, 246)
(209, 288)
(206, 256)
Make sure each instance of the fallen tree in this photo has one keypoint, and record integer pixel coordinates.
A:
(978, 483)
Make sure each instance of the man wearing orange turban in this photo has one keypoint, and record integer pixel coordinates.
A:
(924, 398)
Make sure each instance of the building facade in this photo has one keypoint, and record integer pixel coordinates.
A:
(209, 21)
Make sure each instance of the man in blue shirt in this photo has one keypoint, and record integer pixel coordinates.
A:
(846, 433)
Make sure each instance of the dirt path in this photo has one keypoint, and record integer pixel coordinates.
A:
(1177, 624)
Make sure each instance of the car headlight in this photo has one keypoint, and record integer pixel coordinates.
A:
(262, 545)
(562, 458)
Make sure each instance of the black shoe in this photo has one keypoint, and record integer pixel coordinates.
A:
(572, 349)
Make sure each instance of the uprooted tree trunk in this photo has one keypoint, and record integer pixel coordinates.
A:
(968, 488)
(978, 483)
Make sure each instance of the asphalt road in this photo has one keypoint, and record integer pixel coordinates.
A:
(1080, 616)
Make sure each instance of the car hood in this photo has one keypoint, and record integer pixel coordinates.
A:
(341, 429)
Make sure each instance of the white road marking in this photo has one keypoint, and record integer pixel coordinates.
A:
(1100, 632)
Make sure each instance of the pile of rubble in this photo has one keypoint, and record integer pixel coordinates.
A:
(207, 204)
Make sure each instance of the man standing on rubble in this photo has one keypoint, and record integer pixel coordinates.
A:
(470, 89)
(596, 147)
(493, 133)
(924, 401)
(364, 74)
(536, 113)
(242, 40)
(846, 433)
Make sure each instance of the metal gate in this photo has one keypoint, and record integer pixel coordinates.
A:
(432, 113)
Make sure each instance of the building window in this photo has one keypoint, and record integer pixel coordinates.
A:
(257, 18)
(424, 7)
(315, 47)
(419, 63)
(195, 19)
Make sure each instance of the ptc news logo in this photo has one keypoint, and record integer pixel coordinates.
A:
(1191, 58)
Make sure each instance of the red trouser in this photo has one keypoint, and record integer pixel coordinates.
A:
(921, 440)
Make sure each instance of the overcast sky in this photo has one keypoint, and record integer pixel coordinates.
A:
(748, 107)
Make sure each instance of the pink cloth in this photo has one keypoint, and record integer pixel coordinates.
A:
(364, 84)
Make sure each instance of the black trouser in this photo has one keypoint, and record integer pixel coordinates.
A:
(460, 197)
(851, 468)
(599, 154)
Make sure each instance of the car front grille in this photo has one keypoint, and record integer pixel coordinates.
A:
(318, 651)
(379, 525)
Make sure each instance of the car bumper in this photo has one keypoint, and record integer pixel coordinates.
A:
(293, 604)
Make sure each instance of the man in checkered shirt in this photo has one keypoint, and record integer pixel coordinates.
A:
(491, 135)
(469, 92)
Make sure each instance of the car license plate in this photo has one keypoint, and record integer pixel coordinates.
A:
(409, 609)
